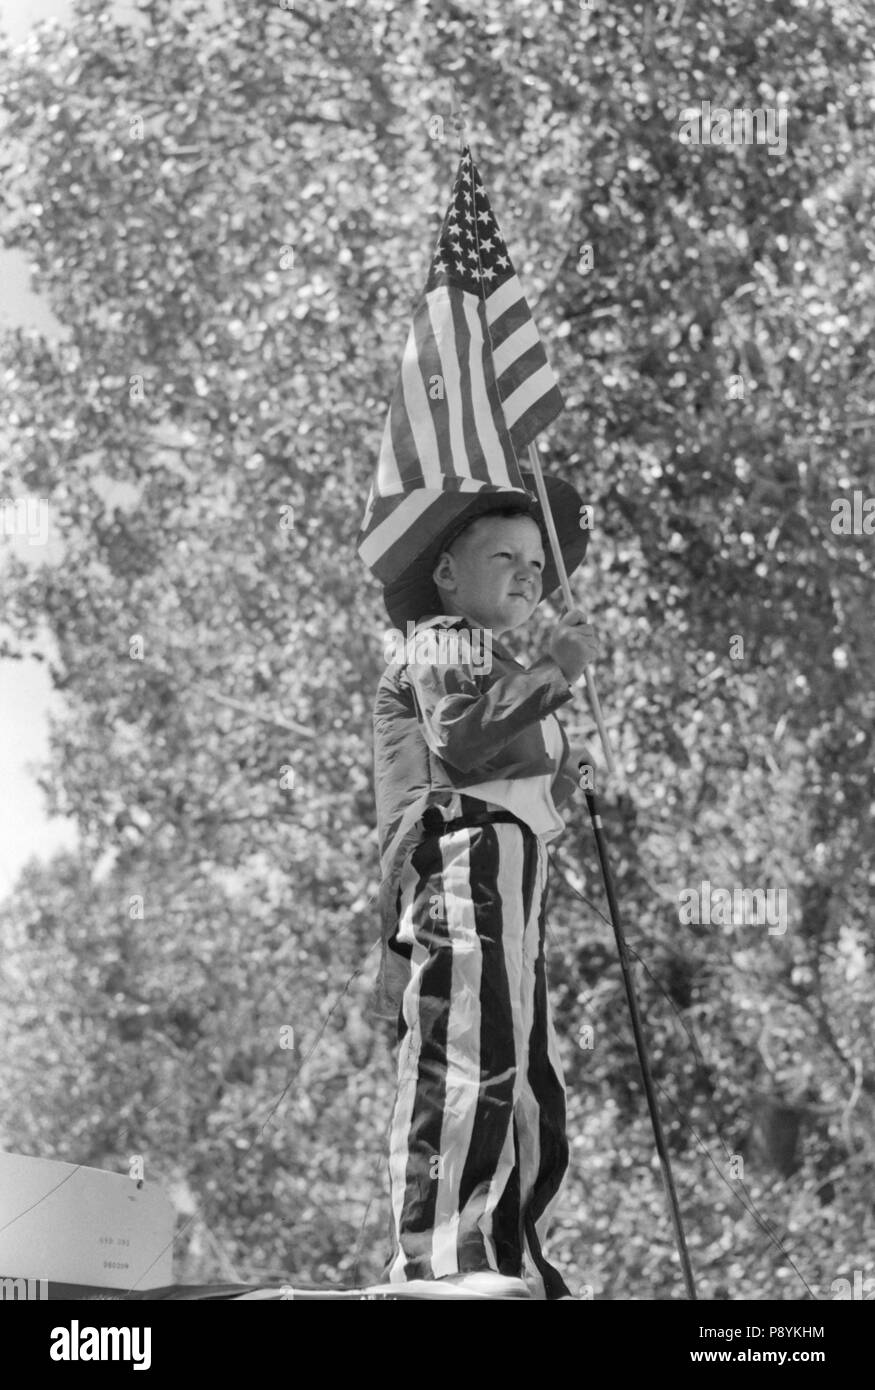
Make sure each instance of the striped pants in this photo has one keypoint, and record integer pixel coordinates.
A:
(478, 1147)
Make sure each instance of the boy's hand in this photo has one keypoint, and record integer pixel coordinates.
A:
(573, 644)
(580, 753)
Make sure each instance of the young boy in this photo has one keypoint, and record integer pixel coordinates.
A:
(470, 766)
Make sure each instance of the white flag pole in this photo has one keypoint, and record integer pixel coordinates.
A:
(591, 691)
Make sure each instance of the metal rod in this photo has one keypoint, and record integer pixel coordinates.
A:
(640, 1045)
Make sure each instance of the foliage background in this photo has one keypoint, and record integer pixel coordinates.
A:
(252, 253)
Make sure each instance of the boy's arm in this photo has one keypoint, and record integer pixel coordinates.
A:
(467, 725)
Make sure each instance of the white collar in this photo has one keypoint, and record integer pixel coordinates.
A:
(446, 618)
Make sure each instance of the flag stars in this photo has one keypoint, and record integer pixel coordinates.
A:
(460, 252)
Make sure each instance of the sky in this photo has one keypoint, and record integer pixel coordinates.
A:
(18, 17)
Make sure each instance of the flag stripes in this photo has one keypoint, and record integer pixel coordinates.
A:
(474, 388)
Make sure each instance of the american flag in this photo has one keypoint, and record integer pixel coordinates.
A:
(475, 385)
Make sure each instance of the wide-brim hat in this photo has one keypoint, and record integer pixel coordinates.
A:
(413, 595)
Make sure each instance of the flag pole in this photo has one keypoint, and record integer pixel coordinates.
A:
(591, 691)
(457, 118)
(641, 1046)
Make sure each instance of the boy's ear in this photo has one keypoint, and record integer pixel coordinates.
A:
(442, 573)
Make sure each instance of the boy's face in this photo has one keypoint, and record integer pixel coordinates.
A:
(493, 575)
